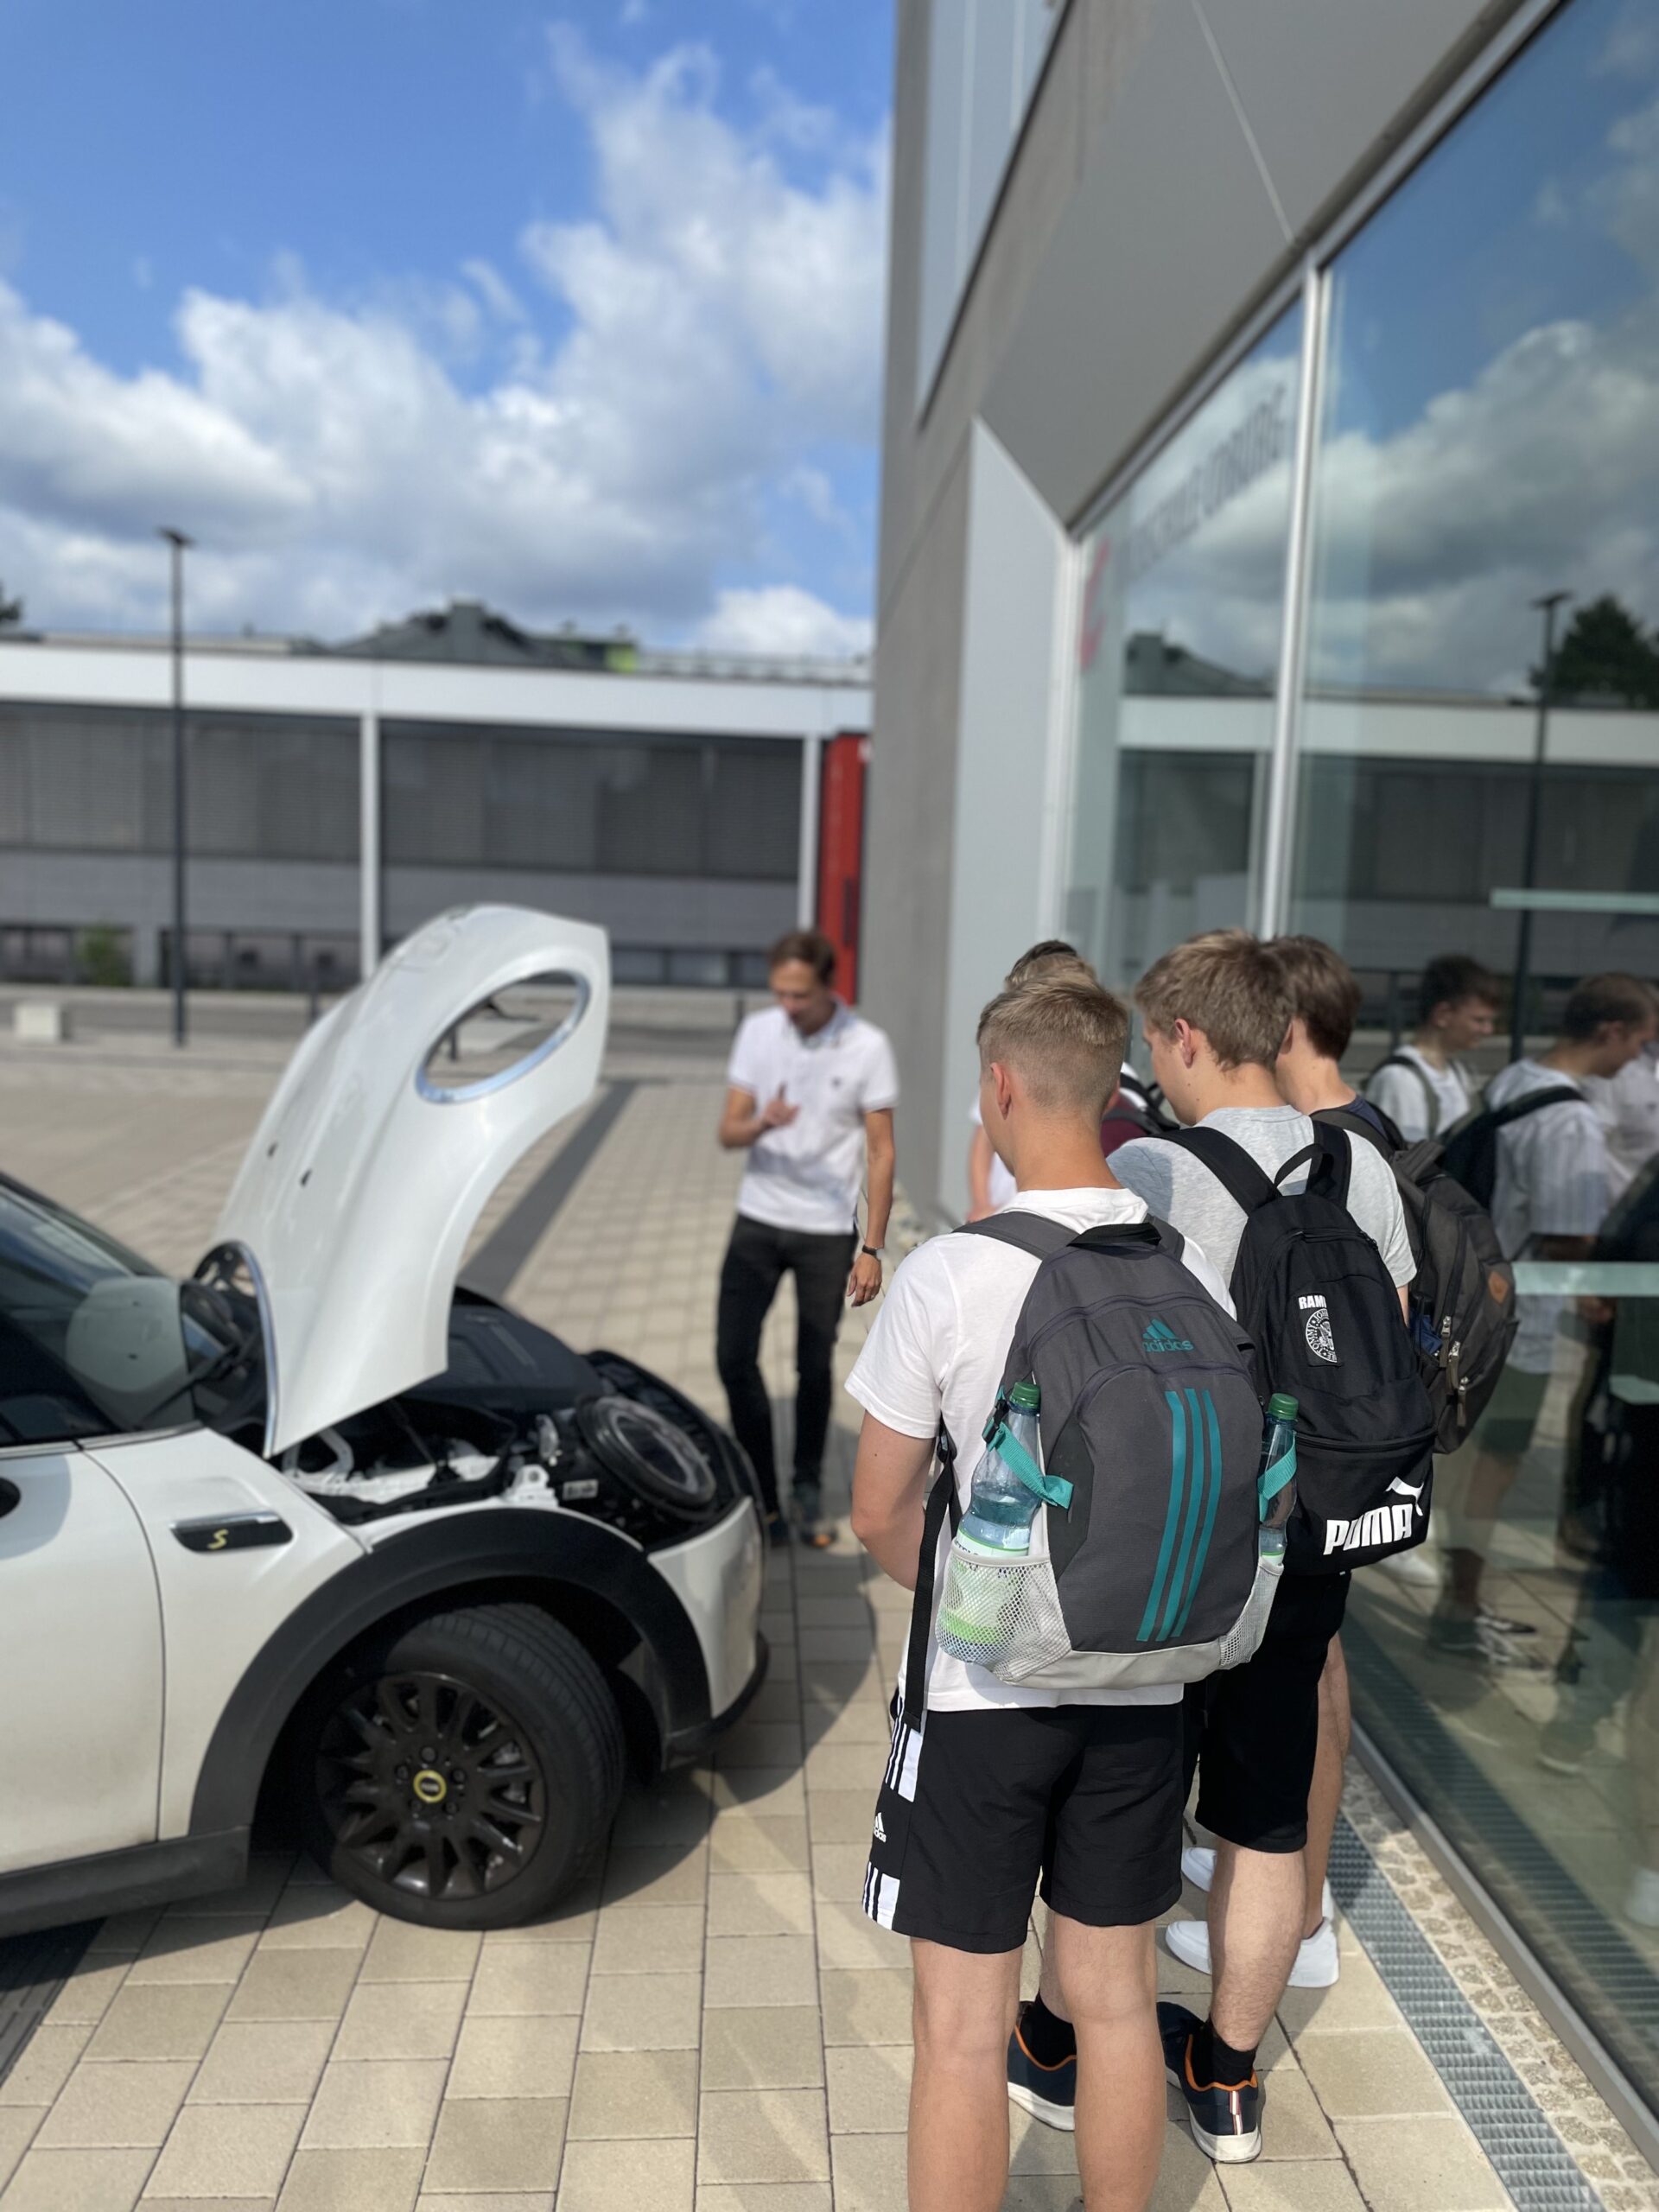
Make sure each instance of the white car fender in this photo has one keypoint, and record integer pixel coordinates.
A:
(214, 1515)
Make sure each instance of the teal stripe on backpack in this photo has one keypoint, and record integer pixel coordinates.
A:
(1173, 1518)
(1212, 1428)
(1194, 1506)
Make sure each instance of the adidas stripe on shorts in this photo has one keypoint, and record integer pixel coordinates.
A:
(978, 1809)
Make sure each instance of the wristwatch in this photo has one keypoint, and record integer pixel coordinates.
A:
(875, 1251)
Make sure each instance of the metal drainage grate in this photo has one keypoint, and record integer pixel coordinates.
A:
(32, 1970)
(1530, 2158)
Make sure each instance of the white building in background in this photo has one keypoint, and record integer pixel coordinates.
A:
(336, 797)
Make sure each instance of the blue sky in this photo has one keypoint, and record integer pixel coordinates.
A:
(575, 309)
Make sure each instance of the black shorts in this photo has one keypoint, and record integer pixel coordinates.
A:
(975, 1806)
(1252, 1732)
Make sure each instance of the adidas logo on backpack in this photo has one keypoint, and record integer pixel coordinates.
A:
(1158, 1336)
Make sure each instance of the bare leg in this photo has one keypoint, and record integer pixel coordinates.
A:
(1048, 1987)
(1490, 1482)
(961, 2019)
(1111, 1991)
(1325, 1796)
(1255, 1927)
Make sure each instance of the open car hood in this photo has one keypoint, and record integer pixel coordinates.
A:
(355, 1201)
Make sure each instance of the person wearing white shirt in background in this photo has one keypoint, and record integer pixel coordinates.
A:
(1550, 1198)
(1004, 1785)
(1421, 1087)
(810, 1090)
(990, 1182)
(1627, 1106)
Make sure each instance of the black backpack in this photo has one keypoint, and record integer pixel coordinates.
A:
(1312, 1291)
(1470, 1145)
(1461, 1304)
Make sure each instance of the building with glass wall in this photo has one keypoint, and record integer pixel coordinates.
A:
(1260, 373)
(335, 799)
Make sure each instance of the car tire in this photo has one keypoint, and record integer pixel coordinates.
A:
(512, 1805)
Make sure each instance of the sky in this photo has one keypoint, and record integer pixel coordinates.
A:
(577, 309)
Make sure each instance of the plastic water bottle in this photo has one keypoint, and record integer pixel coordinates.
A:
(1275, 1487)
(1001, 1508)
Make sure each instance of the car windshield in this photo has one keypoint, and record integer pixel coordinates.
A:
(96, 1342)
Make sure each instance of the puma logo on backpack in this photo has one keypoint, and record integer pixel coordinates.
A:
(1154, 1572)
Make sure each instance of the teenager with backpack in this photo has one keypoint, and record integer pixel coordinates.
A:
(1307, 1225)
(1537, 1155)
(990, 1783)
(1423, 1086)
(990, 1182)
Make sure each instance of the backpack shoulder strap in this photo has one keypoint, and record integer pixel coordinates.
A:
(1431, 1096)
(1033, 1233)
(942, 1504)
(1245, 1182)
(1516, 1109)
(1386, 1139)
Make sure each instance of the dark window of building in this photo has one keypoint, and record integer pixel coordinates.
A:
(582, 804)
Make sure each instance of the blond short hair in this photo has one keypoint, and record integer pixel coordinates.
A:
(1227, 985)
(1053, 956)
(1063, 1036)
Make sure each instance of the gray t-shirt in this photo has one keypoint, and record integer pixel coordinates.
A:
(1181, 1189)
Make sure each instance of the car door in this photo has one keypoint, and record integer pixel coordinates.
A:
(80, 1662)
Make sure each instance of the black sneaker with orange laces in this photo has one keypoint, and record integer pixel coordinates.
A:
(1225, 2117)
(1047, 2093)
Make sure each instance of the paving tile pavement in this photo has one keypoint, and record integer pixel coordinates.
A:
(712, 2026)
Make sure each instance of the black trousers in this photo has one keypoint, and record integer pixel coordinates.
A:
(756, 1260)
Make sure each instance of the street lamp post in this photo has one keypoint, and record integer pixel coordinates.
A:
(178, 542)
(1547, 606)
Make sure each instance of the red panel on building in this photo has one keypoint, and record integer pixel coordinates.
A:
(840, 851)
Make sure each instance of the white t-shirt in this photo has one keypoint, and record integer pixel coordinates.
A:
(939, 1348)
(1552, 1181)
(1001, 1182)
(1180, 1189)
(1399, 1093)
(808, 1175)
(1627, 1105)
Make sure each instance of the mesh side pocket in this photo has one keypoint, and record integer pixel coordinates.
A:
(1002, 1615)
(1243, 1639)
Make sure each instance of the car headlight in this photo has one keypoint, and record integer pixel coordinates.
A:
(648, 1455)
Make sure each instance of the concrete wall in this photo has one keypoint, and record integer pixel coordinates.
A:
(1178, 158)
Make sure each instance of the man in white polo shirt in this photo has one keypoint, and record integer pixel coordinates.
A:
(811, 1091)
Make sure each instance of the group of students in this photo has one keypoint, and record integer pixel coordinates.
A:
(996, 1790)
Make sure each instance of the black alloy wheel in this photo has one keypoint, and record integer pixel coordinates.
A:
(431, 1786)
(464, 1773)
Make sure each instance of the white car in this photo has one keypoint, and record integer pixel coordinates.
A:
(319, 1527)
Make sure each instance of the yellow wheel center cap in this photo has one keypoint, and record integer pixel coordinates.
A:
(430, 1786)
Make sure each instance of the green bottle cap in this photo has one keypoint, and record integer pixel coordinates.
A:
(1282, 1405)
(1026, 1396)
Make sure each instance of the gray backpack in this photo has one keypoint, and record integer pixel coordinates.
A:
(1158, 1568)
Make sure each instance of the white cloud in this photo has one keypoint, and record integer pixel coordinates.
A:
(781, 618)
(717, 332)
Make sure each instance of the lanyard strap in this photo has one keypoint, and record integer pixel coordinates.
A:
(942, 1501)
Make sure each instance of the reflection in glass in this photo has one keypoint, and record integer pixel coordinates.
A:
(1178, 645)
(1489, 434)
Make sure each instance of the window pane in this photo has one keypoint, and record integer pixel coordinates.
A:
(1491, 436)
(1178, 651)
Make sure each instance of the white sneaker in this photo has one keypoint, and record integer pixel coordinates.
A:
(1641, 1899)
(1420, 1568)
(1199, 1867)
(1318, 1962)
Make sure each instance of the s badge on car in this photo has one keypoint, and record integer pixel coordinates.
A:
(430, 1786)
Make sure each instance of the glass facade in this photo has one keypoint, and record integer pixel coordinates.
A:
(558, 800)
(100, 779)
(1486, 437)
(1183, 591)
